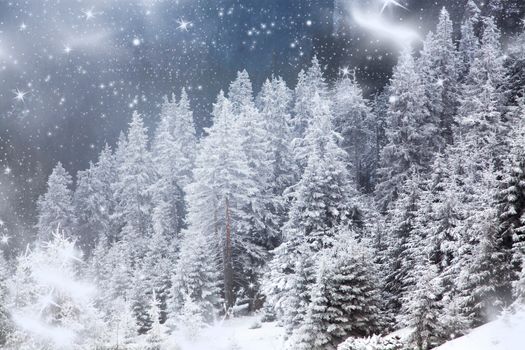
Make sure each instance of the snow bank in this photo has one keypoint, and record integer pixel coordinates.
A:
(506, 333)
(234, 334)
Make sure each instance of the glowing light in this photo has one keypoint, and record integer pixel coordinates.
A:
(387, 3)
(4, 240)
(20, 95)
(377, 24)
(89, 14)
(22, 27)
(183, 25)
(46, 301)
(67, 49)
(345, 71)
(7, 170)
(136, 41)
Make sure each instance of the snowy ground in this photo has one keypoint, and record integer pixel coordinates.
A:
(506, 333)
(235, 334)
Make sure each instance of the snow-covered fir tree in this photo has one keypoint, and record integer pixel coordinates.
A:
(410, 131)
(93, 201)
(354, 121)
(344, 301)
(423, 308)
(132, 189)
(220, 201)
(310, 83)
(321, 202)
(55, 207)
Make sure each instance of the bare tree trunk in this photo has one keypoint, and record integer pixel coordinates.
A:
(228, 265)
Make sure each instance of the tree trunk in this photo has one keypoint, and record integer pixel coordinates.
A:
(228, 265)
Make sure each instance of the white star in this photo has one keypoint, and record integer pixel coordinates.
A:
(136, 41)
(67, 49)
(387, 3)
(23, 27)
(183, 25)
(4, 239)
(20, 95)
(46, 301)
(7, 170)
(345, 72)
(89, 14)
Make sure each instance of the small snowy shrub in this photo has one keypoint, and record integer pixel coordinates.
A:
(372, 343)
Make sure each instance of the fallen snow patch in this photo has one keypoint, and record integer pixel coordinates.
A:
(234, 334)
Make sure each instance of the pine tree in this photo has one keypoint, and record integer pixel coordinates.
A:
(354, 121)
(157, 334)
(132, 188)
(479, 281)
(344, 300)
(192, 319)
(310, 335)
(55, 208)
(122, 324)
(156, 270)
(220, 202)
(185, 140)
(196, 280)
(469, 42)
(438, 69)
(423, 308)
(274, 102)
(409, 131)
(401, 240)
(94, 201)
(321, 202)
(166, 192)
(511, 200)
(310, 83)
(255, 143)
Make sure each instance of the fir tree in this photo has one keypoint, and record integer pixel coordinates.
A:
(132, 188)
(409, 131)
(310, 83)
(353, 119)
(94, 201)
(321, 202)
(55, 208)
(423, 308)
(219, 202)
(157, 334)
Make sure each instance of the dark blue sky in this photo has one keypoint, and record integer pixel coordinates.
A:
(80, 67)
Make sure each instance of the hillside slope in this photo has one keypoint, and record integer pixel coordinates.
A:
(506, 333)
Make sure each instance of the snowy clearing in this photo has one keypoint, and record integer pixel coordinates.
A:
(234, 334)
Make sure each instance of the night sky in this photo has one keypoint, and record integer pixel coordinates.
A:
(72, 71)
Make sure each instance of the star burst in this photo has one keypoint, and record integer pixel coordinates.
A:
(183, 25)
(19, 95)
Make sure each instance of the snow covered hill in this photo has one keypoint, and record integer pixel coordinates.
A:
(506, 333)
